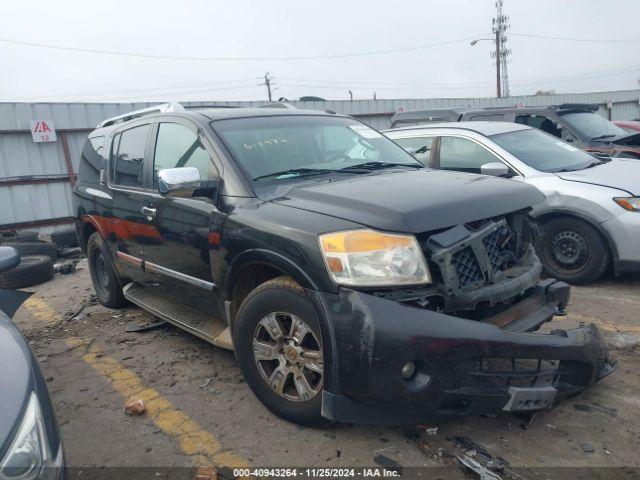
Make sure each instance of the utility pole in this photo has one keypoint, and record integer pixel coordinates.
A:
(500, 26)
(498, 62)
(267, 82)
(350, 95)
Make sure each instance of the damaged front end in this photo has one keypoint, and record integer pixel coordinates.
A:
(467, 344)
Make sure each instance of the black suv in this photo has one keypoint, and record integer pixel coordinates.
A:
(576, 123)
(352, 283)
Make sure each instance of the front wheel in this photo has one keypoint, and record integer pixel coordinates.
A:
(573, 251)
(279, 349)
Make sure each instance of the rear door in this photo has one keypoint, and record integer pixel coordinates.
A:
(126, 229)
(178, 261)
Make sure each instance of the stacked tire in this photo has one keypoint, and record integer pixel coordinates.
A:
(32, 270)
(36, 260)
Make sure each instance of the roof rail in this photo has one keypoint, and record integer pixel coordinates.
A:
(162, 108)
(578, 106)
(278, 105)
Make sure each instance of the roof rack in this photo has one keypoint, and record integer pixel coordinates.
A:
(578, 106)
(162, 108)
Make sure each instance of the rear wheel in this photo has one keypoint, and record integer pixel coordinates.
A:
(573, 251)
(279, 349)
(105, 279)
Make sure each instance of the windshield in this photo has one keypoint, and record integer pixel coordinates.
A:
(287, 146)
(542, 151)
(592, 125)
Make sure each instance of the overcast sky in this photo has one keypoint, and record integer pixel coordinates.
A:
(303, 28)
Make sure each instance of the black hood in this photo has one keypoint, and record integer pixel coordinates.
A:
(414, 201)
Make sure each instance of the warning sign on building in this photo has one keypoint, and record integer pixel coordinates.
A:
(43, 131)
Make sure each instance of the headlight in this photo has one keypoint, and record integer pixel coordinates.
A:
(629, 203)
(28, 456)
(368, 258)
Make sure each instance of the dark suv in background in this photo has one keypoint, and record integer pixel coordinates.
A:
(352, 283)
(574, 123)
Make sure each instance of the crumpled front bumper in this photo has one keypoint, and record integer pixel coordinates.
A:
(462, 366)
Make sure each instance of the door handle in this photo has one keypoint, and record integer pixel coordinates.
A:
(149, 212)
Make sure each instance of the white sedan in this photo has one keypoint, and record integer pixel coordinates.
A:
(591, 217)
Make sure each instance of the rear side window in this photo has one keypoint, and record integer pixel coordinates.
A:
(178, 146)
(541, 122)
(487, 117)
(128, 156)
(92, 160)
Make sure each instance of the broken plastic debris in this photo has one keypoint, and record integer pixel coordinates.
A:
(206, 473)
(134, 406)
(587, 447)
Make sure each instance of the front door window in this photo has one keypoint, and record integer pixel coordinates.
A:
(464, 155)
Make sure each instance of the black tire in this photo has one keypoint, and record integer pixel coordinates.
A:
(106, 282)
(35, 248)
(281, 294)
(65, 238)
(32, 270)
(573, 251)
(18, 236)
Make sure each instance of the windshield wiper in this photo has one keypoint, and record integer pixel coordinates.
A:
(602, 137)
(293, 172)
(589, 165)
(594, 164)
(370, 166)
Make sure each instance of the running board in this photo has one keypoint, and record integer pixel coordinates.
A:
(208, 328)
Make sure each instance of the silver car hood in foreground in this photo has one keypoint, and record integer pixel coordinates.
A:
(620, 173)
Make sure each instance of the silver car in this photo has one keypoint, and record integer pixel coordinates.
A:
(591, 217)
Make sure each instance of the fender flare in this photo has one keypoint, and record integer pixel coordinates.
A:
(541, 215)
(95, 223)
(269, 258)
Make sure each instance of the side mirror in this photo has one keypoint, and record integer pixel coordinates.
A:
(9, 258)
(103, 177)
(178, 182)
(495, 169)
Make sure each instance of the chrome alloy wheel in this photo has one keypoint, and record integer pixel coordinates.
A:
(288, 356)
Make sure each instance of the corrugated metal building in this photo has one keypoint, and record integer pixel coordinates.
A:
(36, 178)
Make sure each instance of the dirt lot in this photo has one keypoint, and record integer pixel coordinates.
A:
(200, 411)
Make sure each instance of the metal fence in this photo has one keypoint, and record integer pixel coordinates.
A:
(36, 178)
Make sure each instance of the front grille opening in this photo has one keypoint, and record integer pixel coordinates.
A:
(499, 249)
(467, 268)
(514, 372)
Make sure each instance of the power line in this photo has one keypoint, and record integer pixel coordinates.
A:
(368, 84)
(341, 84)
(568, 39)
(232, 59)
(143, 90)
(570, 78)
(183, 92)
